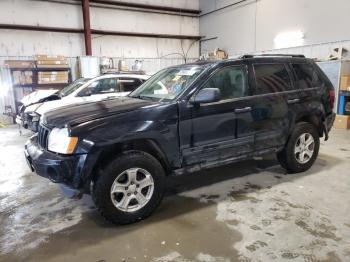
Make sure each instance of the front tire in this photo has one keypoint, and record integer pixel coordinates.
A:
(129, 188)
(301, 150)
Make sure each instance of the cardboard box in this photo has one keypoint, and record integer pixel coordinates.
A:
(342, 122)
(345, 83)
(28, 76)
(44, 81)
(53, 73)
(49, 57)
(19, 63)
(16, 77)
(22, 77)
(122, 66)
(52, 62)
(52, 66)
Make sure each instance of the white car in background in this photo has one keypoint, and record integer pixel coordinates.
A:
(95, 89)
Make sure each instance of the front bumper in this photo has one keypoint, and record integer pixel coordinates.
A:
(66, 169)
(19, 120)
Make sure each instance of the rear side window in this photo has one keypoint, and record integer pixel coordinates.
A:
(306, 76)
(128, 84)
(101, 86)
(271, 78)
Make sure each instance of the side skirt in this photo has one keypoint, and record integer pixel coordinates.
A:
(213, 164)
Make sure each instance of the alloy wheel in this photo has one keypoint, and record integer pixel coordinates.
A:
(132, 189)
(304, 148)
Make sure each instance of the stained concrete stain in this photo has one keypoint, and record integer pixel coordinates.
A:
(256, 245)
(319, 230)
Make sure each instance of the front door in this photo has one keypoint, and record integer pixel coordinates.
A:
(209, 131)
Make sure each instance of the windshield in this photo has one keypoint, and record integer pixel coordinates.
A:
(73, 86)
(168, 83)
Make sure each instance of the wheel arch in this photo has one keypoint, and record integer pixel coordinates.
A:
(313, 119)
(149, 146)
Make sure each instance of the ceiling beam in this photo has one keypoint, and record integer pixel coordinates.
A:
(148, 7)
(95, 31)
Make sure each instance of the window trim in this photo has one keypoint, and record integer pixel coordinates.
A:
(291, 79)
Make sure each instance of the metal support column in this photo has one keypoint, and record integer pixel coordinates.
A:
(87, 28)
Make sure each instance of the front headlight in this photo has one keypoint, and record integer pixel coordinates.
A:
(61, 142)
(35, 117)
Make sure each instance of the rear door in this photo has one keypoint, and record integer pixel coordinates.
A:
(306, 100)
(270, 108)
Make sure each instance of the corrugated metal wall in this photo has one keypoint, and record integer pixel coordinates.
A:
(320, 51)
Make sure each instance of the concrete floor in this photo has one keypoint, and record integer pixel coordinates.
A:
(251, 211)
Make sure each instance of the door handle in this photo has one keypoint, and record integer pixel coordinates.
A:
(293, 101)
(243, 110)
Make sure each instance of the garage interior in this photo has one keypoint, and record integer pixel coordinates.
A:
(248, 211)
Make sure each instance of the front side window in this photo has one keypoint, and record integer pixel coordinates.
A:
(231, 82)
(169, 83)
(101, 86)
(271, 78)
(72, 87)
(306, 76)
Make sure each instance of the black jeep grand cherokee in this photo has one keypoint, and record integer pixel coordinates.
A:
(185, 118)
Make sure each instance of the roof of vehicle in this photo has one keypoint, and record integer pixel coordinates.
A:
(121, 75)
(262, 57)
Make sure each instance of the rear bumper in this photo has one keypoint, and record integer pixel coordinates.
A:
(58, 168)
(329, 121)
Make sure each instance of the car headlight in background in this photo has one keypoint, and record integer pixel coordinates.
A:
(35, 117)
(61, 142)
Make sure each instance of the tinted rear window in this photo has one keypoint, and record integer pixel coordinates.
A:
(271, 78)
(306, 76)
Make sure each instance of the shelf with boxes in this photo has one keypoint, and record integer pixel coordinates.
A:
(43, 72)
(344, 95)
(342, 120)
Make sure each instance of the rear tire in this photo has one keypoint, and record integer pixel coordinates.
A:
(129, 188)
(301, 150)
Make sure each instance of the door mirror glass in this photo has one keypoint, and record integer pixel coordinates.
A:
(207, 95)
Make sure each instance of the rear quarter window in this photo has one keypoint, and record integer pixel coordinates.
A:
(306, 76)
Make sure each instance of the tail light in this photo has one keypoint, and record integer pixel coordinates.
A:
(331, 98)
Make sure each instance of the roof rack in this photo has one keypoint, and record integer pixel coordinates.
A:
(272, 55)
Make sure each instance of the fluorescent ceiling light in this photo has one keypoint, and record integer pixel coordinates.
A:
(289, 39)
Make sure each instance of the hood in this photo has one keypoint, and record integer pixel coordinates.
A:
(83, 112)
(37, 96)
(74, 100)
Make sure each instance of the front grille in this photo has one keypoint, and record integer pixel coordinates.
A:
(43, 136)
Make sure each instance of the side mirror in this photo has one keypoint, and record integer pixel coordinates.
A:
(207, 95)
